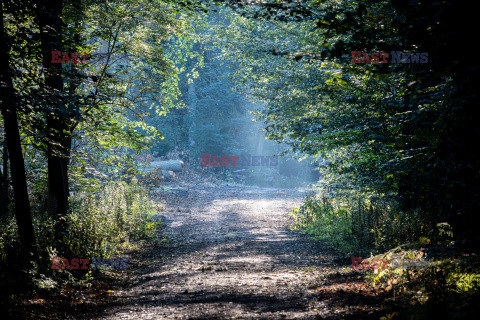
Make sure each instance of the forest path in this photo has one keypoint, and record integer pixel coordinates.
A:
(230, 256)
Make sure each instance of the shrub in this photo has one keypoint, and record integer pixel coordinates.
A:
(358, 226)
(105, 221)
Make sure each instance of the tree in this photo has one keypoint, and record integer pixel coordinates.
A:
(10, 120)
(99, 103)
(388, 128)
(58, 113)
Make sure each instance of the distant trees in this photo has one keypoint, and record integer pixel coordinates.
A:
(210, 116)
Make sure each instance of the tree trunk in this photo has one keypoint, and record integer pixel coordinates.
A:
(192, 108)
(58, 117)
(17, 166)
(4, 199)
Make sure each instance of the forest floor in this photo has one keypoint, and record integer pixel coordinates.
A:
(227, 254)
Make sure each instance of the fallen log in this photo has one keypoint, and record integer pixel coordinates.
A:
(165, 166)
(169, 165)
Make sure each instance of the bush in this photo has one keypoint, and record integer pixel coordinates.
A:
(108, 220)
(356, 226)
(102, 222)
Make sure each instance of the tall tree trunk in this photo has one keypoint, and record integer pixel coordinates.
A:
(58, 118)
(17, 166)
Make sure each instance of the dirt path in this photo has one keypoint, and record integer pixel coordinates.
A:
(230, 257)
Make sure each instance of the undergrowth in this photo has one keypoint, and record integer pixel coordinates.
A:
(430, 287)
(427, 271)
(103, 222)
(358, 226)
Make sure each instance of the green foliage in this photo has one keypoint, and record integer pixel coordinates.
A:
(102, 222)
(104, 105)
(107, 220)
(8, 237)
(385, 129)
(326, 222)
(440, 289)
(358, 227)
(215, 113)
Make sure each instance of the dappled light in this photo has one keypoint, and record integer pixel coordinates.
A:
(252, 159)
